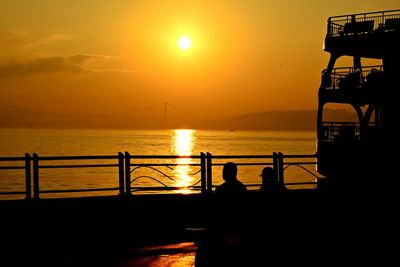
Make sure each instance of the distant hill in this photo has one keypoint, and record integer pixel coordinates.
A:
(274, 120)
(11, 116)
(295, 120)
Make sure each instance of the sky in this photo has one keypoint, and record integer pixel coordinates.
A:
(106, 57)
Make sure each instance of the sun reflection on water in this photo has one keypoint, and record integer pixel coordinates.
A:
(183, 142)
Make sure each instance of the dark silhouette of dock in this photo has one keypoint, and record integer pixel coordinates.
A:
(308, 227)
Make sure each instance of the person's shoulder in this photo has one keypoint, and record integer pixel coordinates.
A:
(282, 187)
(220, 188)
(242, 185)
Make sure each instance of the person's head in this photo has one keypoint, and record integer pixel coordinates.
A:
(268, 175)
(229, 171)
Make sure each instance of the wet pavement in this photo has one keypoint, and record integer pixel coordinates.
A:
(296, 253)
(182, 255)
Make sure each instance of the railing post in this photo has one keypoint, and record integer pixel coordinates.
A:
(203, 174)
(121, 173)
(127, 174)
(36, 176)
(209, 172)
(28, 186)
(275, 159)
(329, 30)
(281, 169)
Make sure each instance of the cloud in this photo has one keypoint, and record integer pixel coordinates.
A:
(119, 70)
(75, 63)
(14, 39)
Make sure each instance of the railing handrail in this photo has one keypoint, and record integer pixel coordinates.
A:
(340, 123)
(242, 156)
(78, 157)
(77, 166)
(12, 158)
(163, 156)
(367, 14)
(334, 123)
(352, 68)
(300, 156)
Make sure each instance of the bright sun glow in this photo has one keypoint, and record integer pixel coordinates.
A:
(184, 42)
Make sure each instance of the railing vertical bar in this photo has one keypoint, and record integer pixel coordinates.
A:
(28, 185)
(209, 172)
(203, 173)
(121, 173)
(36, 176)
(329, 30)
(128, 173)
(275, 162)
(281, 168)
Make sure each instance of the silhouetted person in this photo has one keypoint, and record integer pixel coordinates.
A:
(229, 209)
(221, 247)
(270, 181)
(231, 184)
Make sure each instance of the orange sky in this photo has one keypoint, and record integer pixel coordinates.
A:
(109, 57)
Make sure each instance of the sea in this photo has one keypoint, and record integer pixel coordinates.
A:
(181, 172)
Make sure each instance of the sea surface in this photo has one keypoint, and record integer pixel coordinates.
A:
(180, 142)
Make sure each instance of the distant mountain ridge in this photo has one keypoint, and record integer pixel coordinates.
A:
(274, 120)
(290, 120)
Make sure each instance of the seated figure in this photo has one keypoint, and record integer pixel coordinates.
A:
(270, 181)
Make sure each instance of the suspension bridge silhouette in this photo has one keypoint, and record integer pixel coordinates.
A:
(160, 114)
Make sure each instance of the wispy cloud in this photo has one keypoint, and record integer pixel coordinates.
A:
(72, 64)
(76, 63)
(18, 39)
(120, 70)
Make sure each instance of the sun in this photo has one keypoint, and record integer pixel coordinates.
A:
(184, 42)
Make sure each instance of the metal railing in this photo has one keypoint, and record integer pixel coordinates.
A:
(26, 165)
(256, 160)
(348, 78)
(127, 168)
(363, 23)
(336, 131)
(277, 160)
(37, 166)
(134, 163)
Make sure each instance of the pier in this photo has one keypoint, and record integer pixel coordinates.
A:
(128, 224)
(126, 221)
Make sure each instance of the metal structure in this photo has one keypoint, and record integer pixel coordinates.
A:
(350, 153)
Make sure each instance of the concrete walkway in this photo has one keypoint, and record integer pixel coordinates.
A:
(182, 255)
